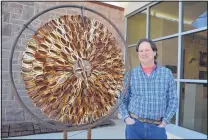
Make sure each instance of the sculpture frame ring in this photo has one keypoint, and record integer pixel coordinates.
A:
(64, 126)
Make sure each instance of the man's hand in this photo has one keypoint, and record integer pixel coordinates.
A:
(162, 125)
(129, 121)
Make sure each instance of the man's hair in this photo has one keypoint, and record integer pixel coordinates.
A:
(152, 44)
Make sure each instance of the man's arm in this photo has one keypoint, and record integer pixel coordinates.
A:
(123, 108)
(172, 100)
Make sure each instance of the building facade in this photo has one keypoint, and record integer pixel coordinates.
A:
(179, 30)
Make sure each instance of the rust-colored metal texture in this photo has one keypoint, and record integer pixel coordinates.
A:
(73, 70)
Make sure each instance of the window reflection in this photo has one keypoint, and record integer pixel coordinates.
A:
(133, 57)
(136, 27)
(168, 54)
(195, 56)
(197, 18)
(193, 107)
(173, 119)
(163, 19)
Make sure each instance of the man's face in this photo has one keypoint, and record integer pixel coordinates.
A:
(145, 53)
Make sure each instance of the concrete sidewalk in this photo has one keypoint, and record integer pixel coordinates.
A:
(115, 132)
(107, 132)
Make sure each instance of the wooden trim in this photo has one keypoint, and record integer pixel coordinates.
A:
(106, 4)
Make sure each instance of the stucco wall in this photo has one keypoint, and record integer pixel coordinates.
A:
(132, 6)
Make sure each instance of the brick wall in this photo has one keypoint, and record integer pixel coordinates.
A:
(14, 15)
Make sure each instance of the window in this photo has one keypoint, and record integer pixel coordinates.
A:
(193, 107)
(136, 27)
(173, 120)
(195, 15)
(168, 54)
(163, 19)
(195, 56)
(133, 57)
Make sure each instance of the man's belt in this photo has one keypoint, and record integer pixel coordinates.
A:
(157, 121)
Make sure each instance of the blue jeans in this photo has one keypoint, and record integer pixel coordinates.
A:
(140, 130)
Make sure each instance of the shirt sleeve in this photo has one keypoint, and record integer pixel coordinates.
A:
(123, 108)
(172, 100)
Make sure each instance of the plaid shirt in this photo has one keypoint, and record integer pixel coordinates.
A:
(150, 97)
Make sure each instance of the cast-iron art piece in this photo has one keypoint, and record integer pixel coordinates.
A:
(73, 69)
(73, 73)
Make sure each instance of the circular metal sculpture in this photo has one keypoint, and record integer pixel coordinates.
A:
(74, 73)
(73, 70)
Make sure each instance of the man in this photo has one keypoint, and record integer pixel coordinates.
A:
(150, 101)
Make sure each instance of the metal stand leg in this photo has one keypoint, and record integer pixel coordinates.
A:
(89, 134)
(65, 134)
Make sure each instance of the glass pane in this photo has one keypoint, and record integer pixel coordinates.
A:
(136, 27)
(163, 19)
(133, 57)
(195, 15)
(193, 107)
(195, 56)
(168, 54)
(173, 119)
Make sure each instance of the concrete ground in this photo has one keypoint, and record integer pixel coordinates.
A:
(108, 132)
(116, 132)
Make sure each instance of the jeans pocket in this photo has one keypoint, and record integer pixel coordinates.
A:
(157, 132)
(163, 128)
(131, 124)
(156, 125)
(133, 119)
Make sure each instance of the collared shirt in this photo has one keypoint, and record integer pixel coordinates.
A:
(152, 96)
(148, 70)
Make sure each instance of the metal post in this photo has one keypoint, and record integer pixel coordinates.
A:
(89, 133)
(180, 21)
(148, 23)
(65, 134)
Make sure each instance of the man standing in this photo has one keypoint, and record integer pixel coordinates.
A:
(151, 99)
